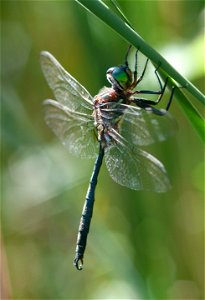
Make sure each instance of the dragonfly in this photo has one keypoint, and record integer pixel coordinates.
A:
(113, 125)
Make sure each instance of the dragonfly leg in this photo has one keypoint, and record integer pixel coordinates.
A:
(137, 80)
(135, 71)
(143, 72)
(143, 102)
(171, 97)
(149, 92)
(163, 87)
(158, 77)
(127, 54)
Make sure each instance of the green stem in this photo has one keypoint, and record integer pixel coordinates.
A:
(193, 115)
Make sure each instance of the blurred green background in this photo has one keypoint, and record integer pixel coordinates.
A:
(141, 245)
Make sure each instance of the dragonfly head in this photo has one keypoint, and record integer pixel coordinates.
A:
(120, 77)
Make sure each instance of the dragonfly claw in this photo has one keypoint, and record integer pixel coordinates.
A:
(78, 263)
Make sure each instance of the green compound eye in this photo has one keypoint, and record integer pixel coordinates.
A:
(120, 75)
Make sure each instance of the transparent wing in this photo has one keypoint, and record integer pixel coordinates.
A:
(142, 126)
(135, 169)
(66, 89)
(75, 130)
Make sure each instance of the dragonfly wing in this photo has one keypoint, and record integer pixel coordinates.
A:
(66, 88)
(144, 126)
(75, 130)
(135, 169)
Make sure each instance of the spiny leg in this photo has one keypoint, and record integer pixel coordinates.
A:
(171, 97)
(126, 57)
(137, 80)
(160, 93)
(173, 88)
(143, 72)
(135, 72)
(158, 78)
(150, 92)
(135, 64)
(141, 101)
(147, 104)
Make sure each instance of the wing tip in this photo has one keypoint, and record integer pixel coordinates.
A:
(49, 101)
(45, 53)
(47, 60)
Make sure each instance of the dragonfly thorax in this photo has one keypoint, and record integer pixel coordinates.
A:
(106, 114)
(106, 95)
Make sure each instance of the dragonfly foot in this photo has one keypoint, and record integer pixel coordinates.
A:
(78, 263)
